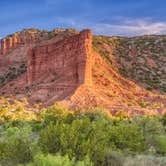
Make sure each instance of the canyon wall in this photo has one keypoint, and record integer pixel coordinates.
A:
(19, 39)
(11, 42)
(67, 62)
(32, 36)
(8, 43)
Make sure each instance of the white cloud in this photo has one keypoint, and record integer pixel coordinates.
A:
(124, 27)
(131, 28)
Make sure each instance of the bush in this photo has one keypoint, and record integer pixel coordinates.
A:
(17, 145)
(160, 144)
(49, 139)
(113, 159)
(59, 135)
(93, 114)
(77, 139)
(164, 119)
(151, 127)
(127, 137)
(53, 114)
(58, 160)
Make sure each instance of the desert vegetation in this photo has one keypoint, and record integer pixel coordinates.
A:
(139, 58)
(91, 137)
(12, 73)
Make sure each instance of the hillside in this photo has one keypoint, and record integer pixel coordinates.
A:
(139, 58)
(78, 70)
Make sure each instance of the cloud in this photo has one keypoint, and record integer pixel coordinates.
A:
(121, 27)
(131, 28)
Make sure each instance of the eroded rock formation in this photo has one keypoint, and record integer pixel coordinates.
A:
(55, 69)
(62, 66)
(69, 59)
(16, 40)
(31, 37)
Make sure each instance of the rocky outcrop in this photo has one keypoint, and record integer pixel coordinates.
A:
(31, 37)
(69, 60)
(16, 40)
(57, 69)
(26, 37)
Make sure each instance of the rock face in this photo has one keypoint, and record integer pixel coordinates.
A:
(69, 59)
(54, 69)
(16, 40)
(57, 69)
(31, 37)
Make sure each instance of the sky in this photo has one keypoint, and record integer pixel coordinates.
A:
(104, 17)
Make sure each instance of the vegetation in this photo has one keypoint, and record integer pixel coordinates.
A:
(59, 137)
(139, 58)
(13, 72)
(57, 160)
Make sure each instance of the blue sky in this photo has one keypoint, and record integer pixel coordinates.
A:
(105, 17)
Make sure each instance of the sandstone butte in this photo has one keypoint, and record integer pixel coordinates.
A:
(67, 70)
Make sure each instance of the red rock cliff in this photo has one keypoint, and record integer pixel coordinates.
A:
(25, 37)
(68, 60)
(29, 37)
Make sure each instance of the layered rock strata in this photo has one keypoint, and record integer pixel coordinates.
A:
(69, 59)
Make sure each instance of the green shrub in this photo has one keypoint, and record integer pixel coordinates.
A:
(53, 114)
(77, 139)
(58, 160)
(50, 138)
(127, 137)
(17, 145)
(61, 135)
(160, 144)
(164, 120)
(93, 114)
(150, 126)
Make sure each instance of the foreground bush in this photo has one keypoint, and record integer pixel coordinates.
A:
(17, 145)
(93, 137)
(59, 135)
(160, 144)
(77, 139)
(127, 137)
(57, 160)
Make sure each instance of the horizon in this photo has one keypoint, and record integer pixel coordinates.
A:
(121, 36)
(108, 18)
